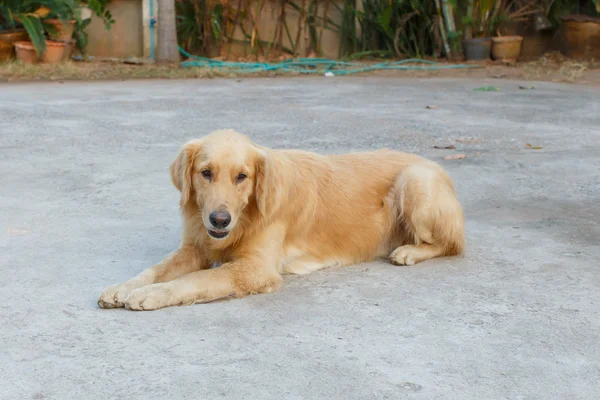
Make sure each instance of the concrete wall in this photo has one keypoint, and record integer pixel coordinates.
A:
(329, 44)
(130, 35)
(125, 37)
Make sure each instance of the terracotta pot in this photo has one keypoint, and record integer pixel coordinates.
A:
(6, 51)
(7, 40)
(26, 52)
(506, 48)
(582, 36)
(54, 52)
(69, 49)
(63, 32)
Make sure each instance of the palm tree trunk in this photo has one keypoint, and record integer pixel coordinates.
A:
(168, 50)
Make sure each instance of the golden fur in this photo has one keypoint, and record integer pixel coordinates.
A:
(292, 212)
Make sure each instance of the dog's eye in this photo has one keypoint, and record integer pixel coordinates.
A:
(241, 177)
(207, 174)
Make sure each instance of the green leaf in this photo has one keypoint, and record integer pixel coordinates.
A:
(486, 89)
(384, 20)
(81, 41)
(35, 30)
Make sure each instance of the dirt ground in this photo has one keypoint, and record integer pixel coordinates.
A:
(552, 67)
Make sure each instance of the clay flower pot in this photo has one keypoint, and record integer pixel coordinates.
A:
(582, 35)
(6, 51)
(69, 49)
(7, 41)
(507, 48)
(26, 52)
(54, 53)
(62, 32)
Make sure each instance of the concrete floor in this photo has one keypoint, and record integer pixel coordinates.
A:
(86, 201)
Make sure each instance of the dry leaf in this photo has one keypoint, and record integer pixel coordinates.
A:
(532, 147)
(455, 157)
(17, 231)
(432, 107)
(42, 12)
(449, 147)
(526, 87)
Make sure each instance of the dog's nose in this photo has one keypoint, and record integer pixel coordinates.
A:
(219, 219)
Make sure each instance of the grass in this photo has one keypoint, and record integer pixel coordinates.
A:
(556, 64)
(89, 71)
(551, 67)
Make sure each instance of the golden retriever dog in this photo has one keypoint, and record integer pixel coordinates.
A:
(261, 213)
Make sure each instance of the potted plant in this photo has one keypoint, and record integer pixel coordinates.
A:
(507, 48)
(8, 36)
(477, 41)
(14, 19)
(53, 27)
(29, 15)
(532, 22)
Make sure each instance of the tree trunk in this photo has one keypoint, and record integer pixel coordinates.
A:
(168, 50)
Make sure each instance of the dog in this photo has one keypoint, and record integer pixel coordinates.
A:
(261, 213)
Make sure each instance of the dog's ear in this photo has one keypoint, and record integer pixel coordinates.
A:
(181, 169)
(269, 185)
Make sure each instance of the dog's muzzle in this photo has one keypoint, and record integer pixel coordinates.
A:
(219, 221)
(217, 234)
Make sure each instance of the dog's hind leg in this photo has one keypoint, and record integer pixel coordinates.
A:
(430, 215)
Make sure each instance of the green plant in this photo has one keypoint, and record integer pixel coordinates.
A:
(98, 7)
(515, 11)
(80, 35)
(485, 17)
(389, 27)
(208, 27)
(479, 19)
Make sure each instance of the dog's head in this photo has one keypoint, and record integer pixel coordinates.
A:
(221, 174)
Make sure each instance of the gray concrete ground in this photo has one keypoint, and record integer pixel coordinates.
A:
(86, 201)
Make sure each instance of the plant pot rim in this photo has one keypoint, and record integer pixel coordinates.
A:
(504, 39)
(29, 45)
(53, 43)
(24, 45)
(580, 18)
(15, 30)
(478, 39)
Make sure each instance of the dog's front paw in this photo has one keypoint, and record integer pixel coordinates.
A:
(404, 255)
(114, 296)
(151, 297)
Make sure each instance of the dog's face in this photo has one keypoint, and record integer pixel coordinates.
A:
(220, 174)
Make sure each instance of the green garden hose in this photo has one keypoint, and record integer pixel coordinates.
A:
(316, 65)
